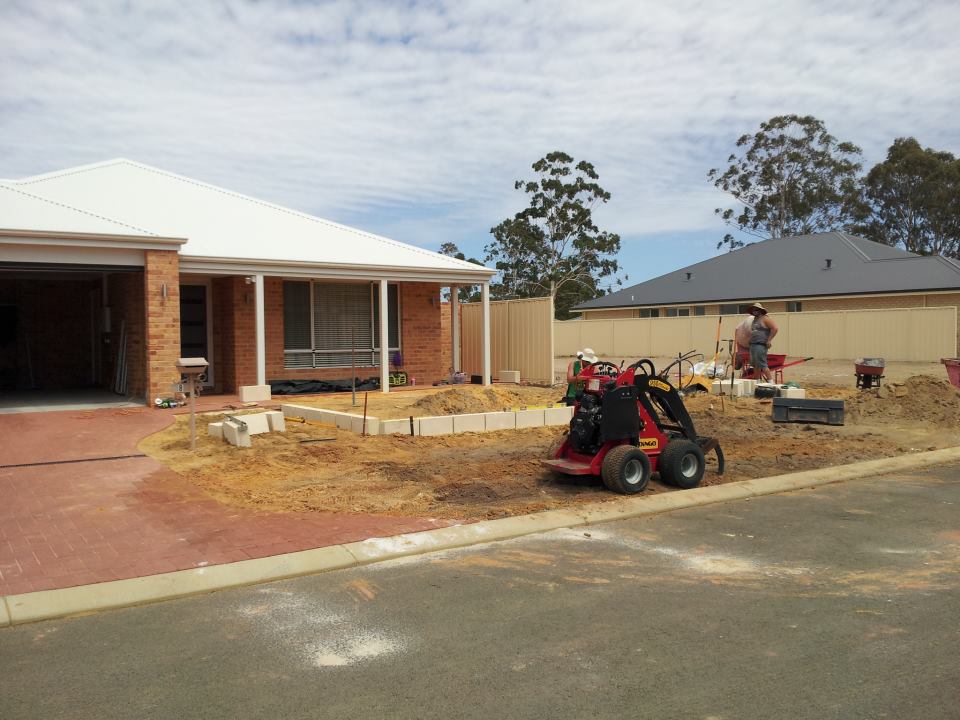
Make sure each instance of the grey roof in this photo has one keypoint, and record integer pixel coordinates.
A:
(792, 267)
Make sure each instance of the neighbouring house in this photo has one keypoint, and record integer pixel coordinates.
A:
(825, 271)
(110, 272)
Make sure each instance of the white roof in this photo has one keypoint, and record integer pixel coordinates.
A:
(219, 225)
(20, 210)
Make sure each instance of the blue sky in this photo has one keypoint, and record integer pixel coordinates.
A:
(413, 119)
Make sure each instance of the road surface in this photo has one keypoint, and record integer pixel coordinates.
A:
(838, 602)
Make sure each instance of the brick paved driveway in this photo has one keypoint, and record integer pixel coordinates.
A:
(77, 523)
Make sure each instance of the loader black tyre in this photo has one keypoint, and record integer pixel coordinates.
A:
(682, 464)
(625, 470)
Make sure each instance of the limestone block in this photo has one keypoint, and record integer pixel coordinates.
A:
(557, 416)
(473, 422)
(306, 412)
(275, 421)
(235, 434)
(257, 423)
(794, 393)
(402, 427)
(501, 421)
(441, 425)
(529, 418)
(373, 425)
(215, 429)
(254, 393)
(720, 386)
(511, 376)
(343, 421)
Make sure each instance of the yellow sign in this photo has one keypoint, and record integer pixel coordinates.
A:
(397, 379)
(649, 443)
(660, 385)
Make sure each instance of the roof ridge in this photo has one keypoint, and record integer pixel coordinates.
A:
(848, 241)
(949, 262)
(247, 198)
(7, 186)
(31, 179)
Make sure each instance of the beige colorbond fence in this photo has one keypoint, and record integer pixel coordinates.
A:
(914, 334)
(521, 338)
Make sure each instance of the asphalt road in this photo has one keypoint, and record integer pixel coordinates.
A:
(839, 602)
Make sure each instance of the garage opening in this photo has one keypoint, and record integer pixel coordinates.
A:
(71, 337)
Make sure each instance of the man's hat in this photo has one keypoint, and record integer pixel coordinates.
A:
(589, 355)
(757, 306)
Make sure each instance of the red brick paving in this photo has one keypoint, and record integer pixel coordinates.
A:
(89, 522)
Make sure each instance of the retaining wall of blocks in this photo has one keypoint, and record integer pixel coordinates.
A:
(436, 425)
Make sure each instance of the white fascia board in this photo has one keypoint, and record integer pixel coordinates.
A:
(71, 255)
(222, 266)
(123, 242)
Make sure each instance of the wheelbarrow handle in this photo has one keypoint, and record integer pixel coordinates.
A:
(793, 362)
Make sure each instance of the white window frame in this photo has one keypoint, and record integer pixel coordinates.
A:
(366, 357)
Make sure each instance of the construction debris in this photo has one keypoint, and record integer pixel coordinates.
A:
(237, 430)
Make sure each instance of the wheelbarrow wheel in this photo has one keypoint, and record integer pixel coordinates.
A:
(682, 464)
(625, 470)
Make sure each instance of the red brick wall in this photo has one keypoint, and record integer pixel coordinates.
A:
(234, 334)
(161, 267)
(422, 338)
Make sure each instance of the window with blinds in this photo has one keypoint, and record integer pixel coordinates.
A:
(328, 325)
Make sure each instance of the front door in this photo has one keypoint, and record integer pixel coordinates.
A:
(194, 335)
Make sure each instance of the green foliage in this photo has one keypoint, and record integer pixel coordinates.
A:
(465, 293)
(790, 178)
(912, 199)
(553, 246)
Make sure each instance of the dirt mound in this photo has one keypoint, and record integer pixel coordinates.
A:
(921, 398)
(457, 401)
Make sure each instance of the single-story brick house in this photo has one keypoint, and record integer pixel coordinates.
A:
(825, 271)
(118, 263)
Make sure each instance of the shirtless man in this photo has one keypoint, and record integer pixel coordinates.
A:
(762, 331)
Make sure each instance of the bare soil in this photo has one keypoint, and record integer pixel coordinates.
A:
(313, 468)
(455, 400)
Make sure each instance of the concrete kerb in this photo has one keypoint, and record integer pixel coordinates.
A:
(49, 604)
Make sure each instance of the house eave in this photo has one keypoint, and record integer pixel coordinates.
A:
(340, 271)
(12, 236)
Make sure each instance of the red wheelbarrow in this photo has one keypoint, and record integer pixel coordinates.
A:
(953, 370)
(776, 363)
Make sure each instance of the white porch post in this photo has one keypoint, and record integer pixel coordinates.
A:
(260, 331)
(384, 338)
(485, 293)
(455, 327)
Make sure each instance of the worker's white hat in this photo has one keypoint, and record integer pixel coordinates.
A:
(589, 355)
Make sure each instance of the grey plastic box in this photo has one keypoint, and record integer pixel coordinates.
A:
(826, 412)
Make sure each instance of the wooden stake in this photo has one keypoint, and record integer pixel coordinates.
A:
(364, 429)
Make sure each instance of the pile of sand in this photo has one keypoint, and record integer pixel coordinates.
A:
(461, 400)
(921, 398)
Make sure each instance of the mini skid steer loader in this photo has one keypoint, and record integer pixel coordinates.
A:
(628, 424)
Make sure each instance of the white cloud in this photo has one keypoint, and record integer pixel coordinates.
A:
(419, 117)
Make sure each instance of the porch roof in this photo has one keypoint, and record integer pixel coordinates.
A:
(224, 230)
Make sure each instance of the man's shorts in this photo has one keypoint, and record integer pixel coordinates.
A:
(758, 357)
